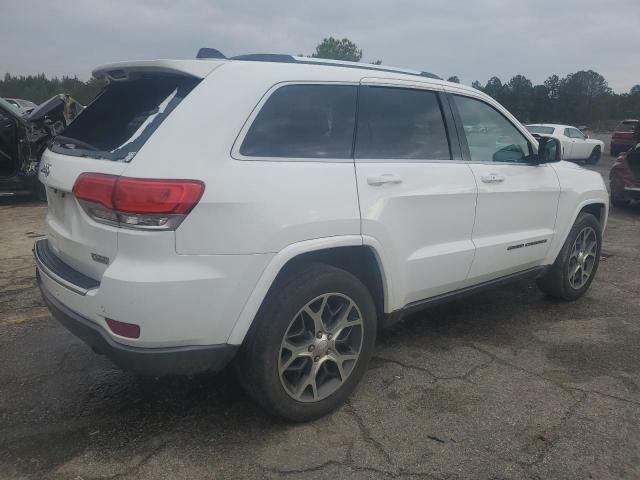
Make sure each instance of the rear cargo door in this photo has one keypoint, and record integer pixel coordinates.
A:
(83, 244)
(103, 139)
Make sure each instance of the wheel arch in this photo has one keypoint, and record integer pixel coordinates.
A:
(361, 258)
(598, 207)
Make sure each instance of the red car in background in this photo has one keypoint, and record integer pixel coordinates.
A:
(623, 135)
(624, 177)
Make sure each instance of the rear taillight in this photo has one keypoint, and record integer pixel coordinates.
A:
(137, 202)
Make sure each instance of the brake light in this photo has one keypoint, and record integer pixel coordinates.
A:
(95, 188)
(137, 202)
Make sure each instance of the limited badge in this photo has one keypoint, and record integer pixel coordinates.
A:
(100, 258)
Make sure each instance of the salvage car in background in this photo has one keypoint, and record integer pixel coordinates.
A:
(23, 138)
(624, 177)
(622, 138)
(576, 146)
(24, 107)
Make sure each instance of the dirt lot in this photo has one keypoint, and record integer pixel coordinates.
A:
(507, 384)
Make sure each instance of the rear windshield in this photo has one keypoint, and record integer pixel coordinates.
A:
(540, 130)
(121, 119)
(626, 126)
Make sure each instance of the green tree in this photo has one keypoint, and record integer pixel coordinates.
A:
(553, 84)
(495, 89)
(541, 104)
(583, 97)
(477, 85)
(39, 88)
(335, 49)
(518, 97)
(454, 79)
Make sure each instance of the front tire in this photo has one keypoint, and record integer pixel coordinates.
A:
(595, 156)
(573, 271)
(310, 343)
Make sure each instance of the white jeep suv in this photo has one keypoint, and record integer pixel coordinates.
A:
(276, 211)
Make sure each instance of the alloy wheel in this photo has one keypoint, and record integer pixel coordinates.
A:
(320, 347)
(582, 258)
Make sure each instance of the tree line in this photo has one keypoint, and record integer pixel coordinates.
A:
(39, 88)
(580, 98)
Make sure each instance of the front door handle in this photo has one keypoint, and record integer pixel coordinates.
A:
(383, 178)
(492, 178)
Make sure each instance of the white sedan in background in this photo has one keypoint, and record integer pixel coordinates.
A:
(576, 146)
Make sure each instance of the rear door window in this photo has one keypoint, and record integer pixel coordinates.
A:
(400, 123)
(304, 121)
(121, 119)
(540, 130)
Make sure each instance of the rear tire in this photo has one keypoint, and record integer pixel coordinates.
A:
(310, 343)
(573, 271)
(595, 156)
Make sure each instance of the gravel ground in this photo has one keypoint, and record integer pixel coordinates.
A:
(507, 384)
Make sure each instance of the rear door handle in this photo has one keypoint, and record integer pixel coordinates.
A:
(383, 178)
(492, 178)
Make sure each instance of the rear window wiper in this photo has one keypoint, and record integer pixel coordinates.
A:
(73, 143)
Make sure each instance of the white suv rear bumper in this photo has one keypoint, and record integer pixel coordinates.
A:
(184, 300)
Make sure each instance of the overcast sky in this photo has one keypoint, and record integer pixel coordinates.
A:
(472, 39)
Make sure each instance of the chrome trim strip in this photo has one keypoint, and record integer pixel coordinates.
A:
(42, 267)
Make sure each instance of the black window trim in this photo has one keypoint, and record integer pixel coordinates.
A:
(235, 149)
(466, 154)
(446, 110)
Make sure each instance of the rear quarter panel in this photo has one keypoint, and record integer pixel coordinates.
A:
(249, 206)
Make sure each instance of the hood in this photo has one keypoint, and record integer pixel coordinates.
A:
(46, 108)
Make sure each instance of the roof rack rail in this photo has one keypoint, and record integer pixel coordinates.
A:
(266, 57)
(285, 58)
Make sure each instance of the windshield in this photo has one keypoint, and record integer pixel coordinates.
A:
(627, 126)
(540, 130)
(123, 117)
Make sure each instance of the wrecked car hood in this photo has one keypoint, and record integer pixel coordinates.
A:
(7, 109)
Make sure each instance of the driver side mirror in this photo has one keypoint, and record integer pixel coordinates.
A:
(549, 150)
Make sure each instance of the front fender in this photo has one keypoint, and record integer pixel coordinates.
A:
(579, 188)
